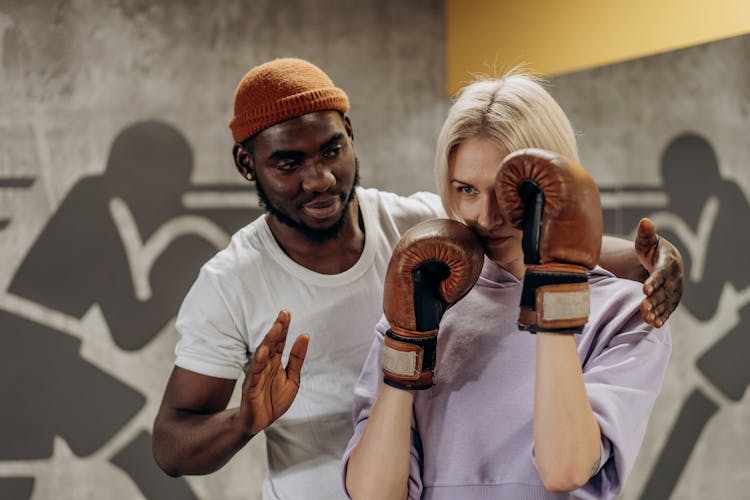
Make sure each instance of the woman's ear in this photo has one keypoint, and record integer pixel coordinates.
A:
(243, 160)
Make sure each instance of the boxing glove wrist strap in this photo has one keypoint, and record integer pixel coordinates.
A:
(555, 298)
(409, 360)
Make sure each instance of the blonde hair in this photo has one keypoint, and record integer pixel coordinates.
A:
(514, 110)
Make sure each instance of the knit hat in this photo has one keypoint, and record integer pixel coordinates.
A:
(280, 90)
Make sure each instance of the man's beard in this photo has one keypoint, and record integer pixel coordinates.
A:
(314, 234)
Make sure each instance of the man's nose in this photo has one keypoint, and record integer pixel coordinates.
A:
(318, 178)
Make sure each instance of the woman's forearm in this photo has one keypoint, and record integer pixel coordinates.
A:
(567, 439)
(379, 465)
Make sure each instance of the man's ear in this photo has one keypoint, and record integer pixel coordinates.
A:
(243, 160)
(348, 126)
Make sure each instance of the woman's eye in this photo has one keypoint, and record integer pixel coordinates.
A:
(466, 189)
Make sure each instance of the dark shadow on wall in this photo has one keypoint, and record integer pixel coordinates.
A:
(124, 241)
(83, 243)
(702, 218)
(55, 392)
(13, 183)
(16, 488)
(151, 481)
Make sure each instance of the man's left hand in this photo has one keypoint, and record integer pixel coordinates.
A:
(663, 288)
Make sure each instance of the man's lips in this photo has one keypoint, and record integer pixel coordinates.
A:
(323, 208)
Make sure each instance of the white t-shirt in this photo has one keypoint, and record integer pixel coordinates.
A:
(234, 302)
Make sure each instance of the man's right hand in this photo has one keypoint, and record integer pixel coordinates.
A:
(269, 388)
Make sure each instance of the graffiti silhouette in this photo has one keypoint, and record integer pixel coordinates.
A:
(702, 218)
(125, 242)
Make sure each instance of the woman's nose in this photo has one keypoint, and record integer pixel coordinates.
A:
(489, 213)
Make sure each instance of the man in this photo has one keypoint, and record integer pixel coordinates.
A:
(321, 252)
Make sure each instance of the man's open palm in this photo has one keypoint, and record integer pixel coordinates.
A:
(663, 288)
(269, 388)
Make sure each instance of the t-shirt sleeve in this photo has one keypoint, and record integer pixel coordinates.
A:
(431, 201)
(622, 382)
(210, 341)
(365, 393)
(409, 211)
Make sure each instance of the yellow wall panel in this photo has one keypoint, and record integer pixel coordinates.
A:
(559, 36)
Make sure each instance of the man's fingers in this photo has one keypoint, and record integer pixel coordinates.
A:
(296, 358)
(284, 318)
(276, 337)
(658, 294)
(657, 297)
(257, 365)
(653, 315)
(671, 306)
(666, 277)
(653, 283)
(646, 237)
(646, 313)
(663, 289)
(657, 308)
(661, 310)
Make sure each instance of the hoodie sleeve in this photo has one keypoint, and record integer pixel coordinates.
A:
(623, 372)
(365, 393)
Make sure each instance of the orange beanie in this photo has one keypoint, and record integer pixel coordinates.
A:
(280, 90)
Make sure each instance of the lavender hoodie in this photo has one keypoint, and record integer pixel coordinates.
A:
(472, 431)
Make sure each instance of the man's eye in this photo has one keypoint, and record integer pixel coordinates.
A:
(288, 165)
(333, 152)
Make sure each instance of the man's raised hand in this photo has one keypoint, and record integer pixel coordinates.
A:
(269, 388)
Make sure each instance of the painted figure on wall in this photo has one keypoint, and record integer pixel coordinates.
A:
(701, 217)
(122, 241)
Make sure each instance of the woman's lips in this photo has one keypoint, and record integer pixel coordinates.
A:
(495, 241)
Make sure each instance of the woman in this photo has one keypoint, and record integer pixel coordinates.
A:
(529, 416)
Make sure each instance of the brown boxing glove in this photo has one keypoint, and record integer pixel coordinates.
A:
(556, 203)
(434, 264)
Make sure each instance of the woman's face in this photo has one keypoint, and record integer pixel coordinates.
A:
(472, 168)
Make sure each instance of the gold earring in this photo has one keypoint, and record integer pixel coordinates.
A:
(250, 176)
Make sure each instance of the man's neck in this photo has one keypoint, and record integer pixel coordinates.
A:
(332, 256)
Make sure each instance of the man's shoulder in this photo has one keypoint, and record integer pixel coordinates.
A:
(394, 213)
(243, 249)
(421, 203)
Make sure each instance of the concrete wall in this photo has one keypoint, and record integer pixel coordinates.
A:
(116, 183)
(667, 136)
